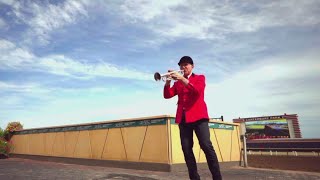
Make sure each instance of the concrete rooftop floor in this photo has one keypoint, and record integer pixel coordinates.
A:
(17, 168)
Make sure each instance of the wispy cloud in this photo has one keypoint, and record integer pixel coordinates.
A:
(14, 57)
(213, 19)
(21, 59)
(3, 24)
(43, 18)
(19, 96)
(277, 86)
(148, 10)
(62, 65)
(95, 104)
(12, 87)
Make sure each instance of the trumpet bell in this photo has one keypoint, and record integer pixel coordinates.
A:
(157, 76)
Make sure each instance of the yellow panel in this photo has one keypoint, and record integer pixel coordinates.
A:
(202, 157)
(17, 143)
(70, 138)
(155, 146)
(176, 146)
(83, 146)
(36, 144)
(133, 138)
(215, 146)
(27, 140)
(235, 152)
(98, 139)
(196, 147)
(39, 138)
(30, 146)
(224, 140)
(49, 140)
(177, 154)
(168, 124)
(41, 143)
(213, 137)
(25, 143)
(58, 146)
(114, 147)
(13, 144)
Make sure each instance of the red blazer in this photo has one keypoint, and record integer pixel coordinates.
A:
(190, 98)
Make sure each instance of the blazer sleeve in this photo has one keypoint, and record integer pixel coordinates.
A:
(169, 92)
(197, 86)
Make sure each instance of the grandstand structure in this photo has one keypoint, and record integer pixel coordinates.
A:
(277, 135)
(268, 127)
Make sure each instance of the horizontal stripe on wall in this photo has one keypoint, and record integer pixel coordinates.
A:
(221, 126)
(212, 125)
(150, 122)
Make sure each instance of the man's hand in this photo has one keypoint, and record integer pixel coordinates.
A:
(177, 76)
(168, 80)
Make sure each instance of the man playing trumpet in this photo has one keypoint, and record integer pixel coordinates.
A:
(192, 115)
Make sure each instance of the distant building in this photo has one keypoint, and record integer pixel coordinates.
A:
(280, 126)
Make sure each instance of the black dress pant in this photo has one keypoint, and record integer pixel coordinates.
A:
(201, 129)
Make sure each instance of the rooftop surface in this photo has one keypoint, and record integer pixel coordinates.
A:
(17, 168)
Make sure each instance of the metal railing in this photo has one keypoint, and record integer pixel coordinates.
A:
(287, 147)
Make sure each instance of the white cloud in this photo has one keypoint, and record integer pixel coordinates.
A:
(44, 18)
(288, 12)
(21, 59)
(3, 24)
(17, 96)
(48, 18)
(10, 101)
(276, 86)
(214, 19)
(6, 45)
(12, 56)
(7, 2)
(62, 65)
(148, 10)
(5, 86)
(251, 92)
(92, 107)
(199, 19)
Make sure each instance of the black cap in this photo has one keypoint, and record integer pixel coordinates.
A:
(186, 59)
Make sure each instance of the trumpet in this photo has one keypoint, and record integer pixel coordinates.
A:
(166, 76)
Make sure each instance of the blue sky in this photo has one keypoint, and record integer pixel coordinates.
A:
(70, 62)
